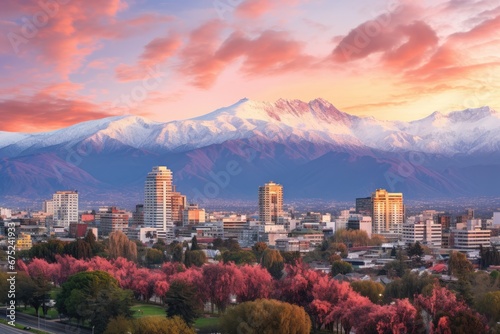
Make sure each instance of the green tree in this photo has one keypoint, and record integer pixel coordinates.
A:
(154, 256)
(121, 246)
(258, 249)
(79, 249)
(408, 286)
(373, 290)
(94, 296)
(273, 262)
(290, 257)
(194, 244)
(341, 267)
(489, 305)
(239, 257)
(149, 325)
(182, 301)
(459, 266)
(415, 250)
(266, 316)
(194, 258)
(177, 252)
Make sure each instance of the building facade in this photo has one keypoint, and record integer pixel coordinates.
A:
(387, 212)
(113, 219)
(158, 203)
(425, 232)
(65, 208)
(270, 203)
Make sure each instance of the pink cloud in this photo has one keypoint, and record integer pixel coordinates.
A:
(255, 8)
(43, 112)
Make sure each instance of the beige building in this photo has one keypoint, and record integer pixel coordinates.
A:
(387, 212)
(270, 203)
(192, 214)
(113, 219)
(425, 232)
(23, 242)
(471, 237)
(158, 203)
(65, 208)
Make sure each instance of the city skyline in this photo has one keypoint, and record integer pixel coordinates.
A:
(66, 63)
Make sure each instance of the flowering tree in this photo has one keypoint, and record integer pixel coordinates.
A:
(220, 282)
(256, 283)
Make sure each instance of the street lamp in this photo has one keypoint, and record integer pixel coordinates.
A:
(93, 329)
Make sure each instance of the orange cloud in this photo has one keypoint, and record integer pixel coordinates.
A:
(43, 112)
(155, 52)
(255, 8)
(269, 53)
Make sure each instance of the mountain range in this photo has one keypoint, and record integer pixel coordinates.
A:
(312, 148)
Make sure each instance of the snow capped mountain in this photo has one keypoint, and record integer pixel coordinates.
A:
(470, 130)
(312, 147)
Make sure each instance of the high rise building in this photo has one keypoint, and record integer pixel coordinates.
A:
(65, 208)
(158, 202)
(178, 203)
(270, 203)
(387, 212)
(48, 207)
(112, 220)
(427, 232)
(364, 206)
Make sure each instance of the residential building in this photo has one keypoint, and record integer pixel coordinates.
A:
(178, 203)
(48, 207)
(360, 222)
(113, 219)
(78, 230)
(192, 214)
(158, 203)
(65, 208)
(23, 242)
(387, 212)
(293, 245)
(270, 203)
(138, 215)
(471, 237)
(425, 232)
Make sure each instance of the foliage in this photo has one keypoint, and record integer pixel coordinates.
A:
(290, 257)
(273, 262)
(177, 252)
(256, 283)
(149, 325)
(194, 258)
(154, 256)
(220, 281)
(266, 316)
(93, 296)
(121, 246)
(341, 267)
(396, 268)
(356, 238)
(194, 244)
(489, 305)
(181, 301)
(239, 257)
(415, 250)
(489, 256)
(408, 286)
(370, 289)
(258, 249)
(79, 249)
(459, 266)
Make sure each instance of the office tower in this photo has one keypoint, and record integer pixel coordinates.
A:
(65, 208)
(178, 203)
(364, 206)
(48, 207)
(158, 202)
(138, 215)
(270, 203)
(113, 219)
(192, 215)
(387, 212)
(426, 232)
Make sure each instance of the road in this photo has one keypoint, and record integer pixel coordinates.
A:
(7, 329)
(49, 326)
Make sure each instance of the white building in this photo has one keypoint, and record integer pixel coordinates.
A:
(496, 219)
(471, 237)
(65, 208)
(5, 213)
(360, 222)
(157, 202)
(426, 232)
(48, 207)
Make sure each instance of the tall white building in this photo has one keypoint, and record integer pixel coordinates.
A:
(65, 207)
(158, 202)
(48, 207)
(426, 232)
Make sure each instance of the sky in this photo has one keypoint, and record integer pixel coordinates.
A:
(68, 61)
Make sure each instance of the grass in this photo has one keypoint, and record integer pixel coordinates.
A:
(148, 310)
(3, 321)
(51, 314)
(206, 323)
